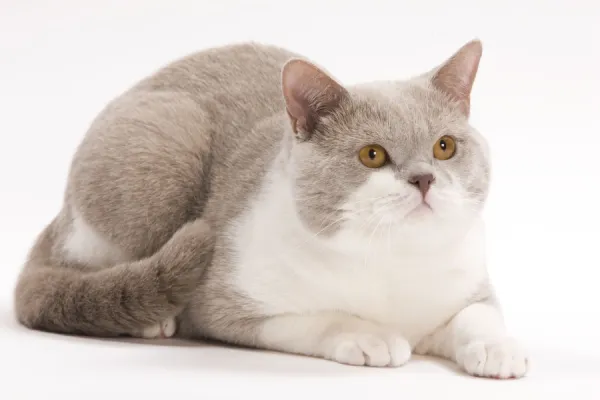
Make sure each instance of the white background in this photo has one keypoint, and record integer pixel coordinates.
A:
(536, 99)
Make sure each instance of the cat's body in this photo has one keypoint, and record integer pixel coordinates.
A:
(190, 197)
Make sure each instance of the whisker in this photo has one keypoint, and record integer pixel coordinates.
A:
(371, 240)
(390, 237)
(374, 199)
(329, 225)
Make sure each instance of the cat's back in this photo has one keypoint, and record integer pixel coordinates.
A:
(145, 165)
(234, 84)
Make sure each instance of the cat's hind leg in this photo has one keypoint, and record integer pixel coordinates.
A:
(123, 258)
(130, 298)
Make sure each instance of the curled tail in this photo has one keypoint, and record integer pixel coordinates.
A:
(119, 300)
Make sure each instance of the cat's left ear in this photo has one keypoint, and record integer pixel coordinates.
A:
(456, 76)
(309, 94)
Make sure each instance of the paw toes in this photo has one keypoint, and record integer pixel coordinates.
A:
(165, 329)
(375, 351)
(372, 349)
(474, 358)
(151, 332)
(400, 351)
(348, 352)
(168, 328)
(499, 359)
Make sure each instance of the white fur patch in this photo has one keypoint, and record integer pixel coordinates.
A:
(500, 358)
(287, 270)
(86, 246)
(164, 330)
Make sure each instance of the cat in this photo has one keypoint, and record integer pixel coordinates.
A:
(243, 194)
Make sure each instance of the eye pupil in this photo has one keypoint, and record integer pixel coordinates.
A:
(443, 145)
(372, 154)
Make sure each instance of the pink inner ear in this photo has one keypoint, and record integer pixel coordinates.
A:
(309, 93)
(457, 75)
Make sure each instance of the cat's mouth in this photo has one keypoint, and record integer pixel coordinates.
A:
(424, 208)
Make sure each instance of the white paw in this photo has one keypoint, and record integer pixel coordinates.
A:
(164, 330)
(501, 358)
(373, 349)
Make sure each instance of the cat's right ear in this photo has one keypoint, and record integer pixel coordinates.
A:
(309, 95)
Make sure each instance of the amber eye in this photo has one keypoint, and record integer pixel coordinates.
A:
(373, 156)
(444, 148)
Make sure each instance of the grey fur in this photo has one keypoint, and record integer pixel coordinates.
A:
(193, 142)
(59, 297)
(142, 171)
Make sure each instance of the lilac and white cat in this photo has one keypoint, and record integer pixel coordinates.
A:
(243, 194)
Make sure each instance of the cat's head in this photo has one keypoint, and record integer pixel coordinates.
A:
(394, 156)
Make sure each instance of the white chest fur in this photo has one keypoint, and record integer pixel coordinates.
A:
(285, 269)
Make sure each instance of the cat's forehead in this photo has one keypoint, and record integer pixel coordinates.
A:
(410, 112)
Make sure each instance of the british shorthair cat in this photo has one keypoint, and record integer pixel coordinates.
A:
(243, 194)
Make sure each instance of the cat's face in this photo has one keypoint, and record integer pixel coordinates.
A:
(398, 158)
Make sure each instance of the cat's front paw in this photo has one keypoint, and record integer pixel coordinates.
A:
(374, 349)
(500, 358)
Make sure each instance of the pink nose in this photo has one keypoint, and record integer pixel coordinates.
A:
(423, 182)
